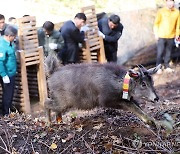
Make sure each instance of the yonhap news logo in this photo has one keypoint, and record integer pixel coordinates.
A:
(137, 143)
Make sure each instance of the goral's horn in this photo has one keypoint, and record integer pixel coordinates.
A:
(141, 70)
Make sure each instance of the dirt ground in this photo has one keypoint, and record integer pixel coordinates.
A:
(100, 131)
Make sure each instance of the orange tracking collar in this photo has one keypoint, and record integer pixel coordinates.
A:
(126, 86)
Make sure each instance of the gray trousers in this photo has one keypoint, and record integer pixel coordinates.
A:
(164, 49)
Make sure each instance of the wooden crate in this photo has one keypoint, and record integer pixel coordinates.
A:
(31, 80)
(93, 50)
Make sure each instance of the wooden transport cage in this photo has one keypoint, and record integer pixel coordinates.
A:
(31, 61)
(30, 80)
(93, 50)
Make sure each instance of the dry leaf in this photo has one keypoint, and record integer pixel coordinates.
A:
(53, 146)
(70, 136)
(43, 134)
(37, 136)
(108, 146)
(80, 128)
(63, 141)
(14, 136)
(98, 126)
(58, 119)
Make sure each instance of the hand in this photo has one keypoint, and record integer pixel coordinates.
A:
(177, 41)
(156, 37)
(101, 34)
(6, 79)
(53, 46)
(177, 38)
(84, 28)
(20, 50)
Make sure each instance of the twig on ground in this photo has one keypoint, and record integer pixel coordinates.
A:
(46, 145)
(124, 147)
(5, 149)
(87, 145)
(26, 141)
(163, 148)
(32, 147)
(75, 141)
(8, 139)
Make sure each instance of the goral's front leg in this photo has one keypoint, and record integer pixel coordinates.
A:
(133, 106)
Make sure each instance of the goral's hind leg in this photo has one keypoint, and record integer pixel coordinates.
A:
(47, 105)
(48, 116)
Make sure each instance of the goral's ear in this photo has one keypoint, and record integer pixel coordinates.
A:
(133, 73)
(154, 69)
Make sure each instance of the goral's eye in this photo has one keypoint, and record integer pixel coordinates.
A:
(143, 84)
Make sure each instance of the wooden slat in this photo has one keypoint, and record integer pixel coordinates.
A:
(33, 91)
(31, 59)
(35, 53)
(25, 83)
(30, 51)
(92, 36)
(33, 88)
(35, 45)
(29, 33)
(30, 37)
(28, 28)
(93, 24)
(95, 48)
(26, 19)
(43, 94)
(91, 41)
(28, 23)
(87, 8)
(30, 41)
(32, 63)
(94, 53)
(92, 18)
(18, 95)
(93, 44)
(32, 75)
(33, 84)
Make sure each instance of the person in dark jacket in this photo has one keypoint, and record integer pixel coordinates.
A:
(73, 34)
(111, 30)
(8, 67)
(51, 40)
(3, 25)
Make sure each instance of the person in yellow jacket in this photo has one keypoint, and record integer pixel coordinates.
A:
(166, 29)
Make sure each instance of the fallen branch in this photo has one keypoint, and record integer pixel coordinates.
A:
(45, 145)
(7, 138)
(3, 142)
(25, 143)
(163, 148)
(5, 149)
(87, 145)
(75, 141)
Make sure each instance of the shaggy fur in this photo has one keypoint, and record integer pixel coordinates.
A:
(86, 86)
